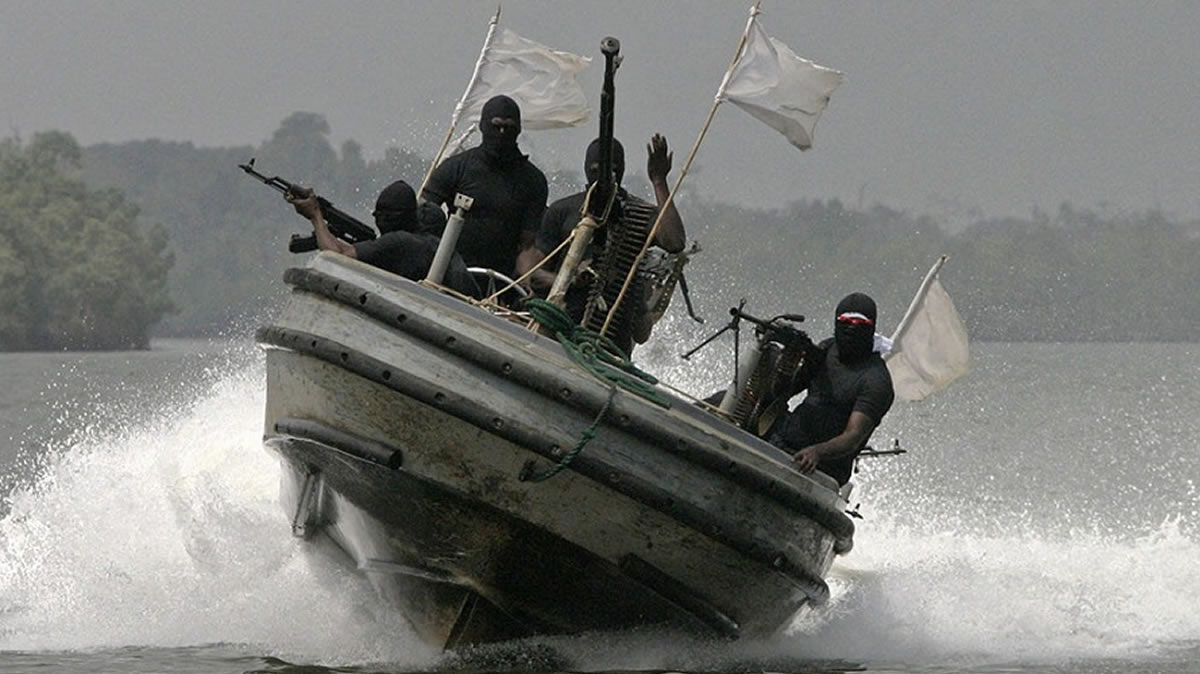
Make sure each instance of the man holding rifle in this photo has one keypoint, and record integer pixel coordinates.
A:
(406, 245)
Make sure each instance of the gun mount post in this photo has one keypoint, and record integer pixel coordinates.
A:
(446, 247)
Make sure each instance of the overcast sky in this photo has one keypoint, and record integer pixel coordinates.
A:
(946, 106)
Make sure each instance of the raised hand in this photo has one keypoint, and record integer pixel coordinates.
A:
(658, 163)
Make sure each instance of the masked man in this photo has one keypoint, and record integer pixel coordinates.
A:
(562, 216)
(509, 192)
(407, 241)
(849, 392)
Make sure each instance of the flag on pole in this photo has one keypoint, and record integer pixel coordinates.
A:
(543, 81)
(779, 88)
(929, 347)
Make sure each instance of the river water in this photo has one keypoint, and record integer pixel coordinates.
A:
(1046, 518)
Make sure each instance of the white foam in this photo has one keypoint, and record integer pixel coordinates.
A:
(921, 597)
(169, 533)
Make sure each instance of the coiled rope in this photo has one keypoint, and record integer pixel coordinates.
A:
(599, 355)
(595, 352)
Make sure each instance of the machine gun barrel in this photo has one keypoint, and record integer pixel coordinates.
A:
(776, 328)
(341, 224)
(737, 312)
(605, 190)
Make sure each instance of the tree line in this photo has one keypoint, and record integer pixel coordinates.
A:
(1072, 276)
(77, 268)
(104, 245)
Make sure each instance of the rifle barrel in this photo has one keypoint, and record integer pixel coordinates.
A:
(341, 224)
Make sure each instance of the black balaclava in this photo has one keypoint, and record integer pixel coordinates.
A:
(500, 145)
(431, 219)
(854, 327)
(396, 209)
(591, 163)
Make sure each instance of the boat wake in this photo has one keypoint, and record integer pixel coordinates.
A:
(958, 600)
(167, 533)
(922, 597)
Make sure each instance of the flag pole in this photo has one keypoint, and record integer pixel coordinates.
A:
(914, 305)
(458, 108)
(737, 55)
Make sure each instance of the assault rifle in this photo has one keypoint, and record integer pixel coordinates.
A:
(341, 224)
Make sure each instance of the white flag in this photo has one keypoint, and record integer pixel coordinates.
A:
(540, 79)
(929, 347)
(784, 91)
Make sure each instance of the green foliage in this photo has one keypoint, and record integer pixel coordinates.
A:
(76, 269)
(1077, 277)
(229, 232)
(1074, 275)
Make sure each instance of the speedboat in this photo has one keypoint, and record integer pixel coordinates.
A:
(491, 485)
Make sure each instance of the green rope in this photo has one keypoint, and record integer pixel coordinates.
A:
(599, 355)
(596, 353)
(527, 474)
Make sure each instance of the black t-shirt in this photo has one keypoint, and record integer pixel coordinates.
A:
(836, 390)
(509, 200)
(557, 224)
(409, 255)
(560, 218)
